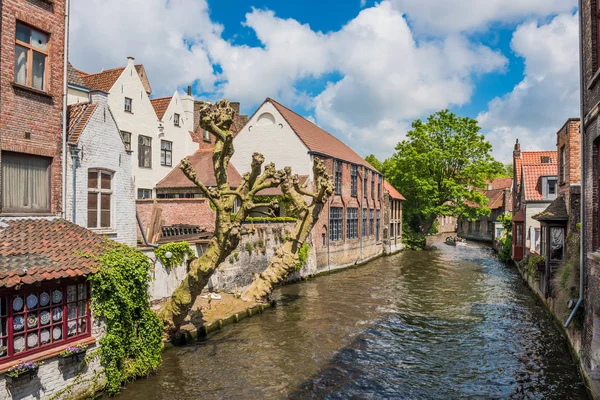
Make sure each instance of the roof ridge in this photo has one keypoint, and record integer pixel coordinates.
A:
(104, 71)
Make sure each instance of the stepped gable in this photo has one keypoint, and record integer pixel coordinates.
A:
(42, 249)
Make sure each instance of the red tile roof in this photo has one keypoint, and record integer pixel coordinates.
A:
(533, 158)
(203, 164)
(519, 216)
(501, 183)
(160, 106)
(495, 198)
(531, 179)
(276, 191)
(78, 116)
(392, 190)
(106, 79)
(318, 140)
(40, 249)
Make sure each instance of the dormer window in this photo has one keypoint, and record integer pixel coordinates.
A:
(549, 187)
(176, 119)
(546, 160)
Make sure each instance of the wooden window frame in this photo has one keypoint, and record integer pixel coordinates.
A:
(141, 153)
(101, 191)
(46, 210)
(353, 180)
(338, 177)
(365, 182)
(125, 142)
(7, 338)
(176, 119)
(130, 110)
(336, 216)
(364, 222)
(378, 225)
(142, 190)
(373, 185)
(163, 153)
(352, 223)
(372, 222)
(30, 49)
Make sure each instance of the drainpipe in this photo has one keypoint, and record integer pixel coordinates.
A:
(139, 221)
(75, 159)
(582, 198)
(362, 210)
(64, 110)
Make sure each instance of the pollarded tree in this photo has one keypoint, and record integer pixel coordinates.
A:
(442, 167)
(286, 256)
(217, 120)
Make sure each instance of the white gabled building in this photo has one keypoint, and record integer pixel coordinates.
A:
(143, 132)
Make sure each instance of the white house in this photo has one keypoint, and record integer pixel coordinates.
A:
(100, 190)
(143, 132)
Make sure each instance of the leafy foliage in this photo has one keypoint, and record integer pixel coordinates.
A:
(565, 283)
(178, 253)
(302, 256)
(441, 169)
(132, 344)
(413, 240)
(505, 254)
(374, 161)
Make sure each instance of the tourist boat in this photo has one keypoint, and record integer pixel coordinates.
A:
(455, 241)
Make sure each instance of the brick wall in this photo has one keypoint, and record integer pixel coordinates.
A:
(569, 139)
(178, 211)
(24, 111)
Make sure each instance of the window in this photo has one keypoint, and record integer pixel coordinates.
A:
(398, 230)
(562, 165)
(392, 231)
(176, 119)
(166, 153)
(498, 233)
(373, 185)
(365, 179)
(126, 136)
(470, 226)
(519, 235)
(379, 186)
(323, 240)
(37, 319)
(25, 183)
(364, 222)
(206, 136)
(371, 222)
(353, 180)
(335, 224)
(557, 243)
(144, 194)
(551, 188)
(378, 224)
(490, 227)
(338, 177)
(352, 223)
(99, 198)
(128, 103)
(145, 151)
(30, 57)
(546, 160)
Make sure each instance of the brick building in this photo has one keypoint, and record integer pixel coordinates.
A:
(590, 128)
(350, 226)
(392, 220)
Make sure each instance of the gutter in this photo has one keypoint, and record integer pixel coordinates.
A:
(139, 221)
(64, 111)
(582, 195)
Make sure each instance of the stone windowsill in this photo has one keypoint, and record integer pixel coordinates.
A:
(103, 231)
(32, 90)
(50, 353)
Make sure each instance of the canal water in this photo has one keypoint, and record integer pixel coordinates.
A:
(451, 323)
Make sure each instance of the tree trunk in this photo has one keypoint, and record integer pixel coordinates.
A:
(428, 224)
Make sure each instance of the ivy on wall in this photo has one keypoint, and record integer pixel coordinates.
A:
(132, 344)
(302, 256)
(178, 253)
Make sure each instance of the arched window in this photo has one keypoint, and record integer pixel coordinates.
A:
(99, 203)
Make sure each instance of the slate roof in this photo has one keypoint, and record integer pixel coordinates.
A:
(73, 76)
(392, 191)
(203, 164)
(532, 182)
(41, 249)
(556, 211)
(533, 158)
(316, 139)
(160, 106)
(78, 116)
(106, 79)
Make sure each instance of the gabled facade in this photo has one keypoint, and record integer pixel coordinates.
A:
(100, 191)
(350, 227)
(392, 221)
(536, 186)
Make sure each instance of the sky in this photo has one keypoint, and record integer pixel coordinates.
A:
(363, 70)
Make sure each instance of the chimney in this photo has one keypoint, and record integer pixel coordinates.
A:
(187, 102)
(98, 97)
(130, 60)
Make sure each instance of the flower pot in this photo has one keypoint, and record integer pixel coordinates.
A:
(20, 376)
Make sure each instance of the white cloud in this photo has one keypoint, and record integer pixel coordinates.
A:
(548, 94)
(444, 16)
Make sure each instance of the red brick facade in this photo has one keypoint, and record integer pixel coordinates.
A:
(346, 251)
(30, 120)
(568, 140)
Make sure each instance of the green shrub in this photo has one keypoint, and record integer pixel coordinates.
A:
(178, 253)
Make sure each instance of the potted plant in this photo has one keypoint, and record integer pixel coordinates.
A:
(74, 352)
(29, 368)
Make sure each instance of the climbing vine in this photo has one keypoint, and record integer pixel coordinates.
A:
(178, 253)
(131, 346)
(302, 256)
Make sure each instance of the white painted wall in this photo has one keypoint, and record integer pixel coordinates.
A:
(275, 139)
(75, 95)
(532, 209)
(183, 145)
(101, 147)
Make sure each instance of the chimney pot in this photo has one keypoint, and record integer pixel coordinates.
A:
(189, 91)
(130, 60)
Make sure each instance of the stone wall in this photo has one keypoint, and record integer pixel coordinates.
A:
(56, 374)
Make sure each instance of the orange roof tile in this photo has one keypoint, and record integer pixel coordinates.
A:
(533, 158)
(160, 106)
(78, 116)
(106, 79)
(501, 183)
(531, 179)
(392, 190)
(38, 249)
(318, 140)
(202, 162)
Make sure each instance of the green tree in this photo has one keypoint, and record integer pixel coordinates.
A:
(374, 161)
(441, 168)
(508, 170)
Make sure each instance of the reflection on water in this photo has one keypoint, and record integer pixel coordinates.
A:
(451, 323)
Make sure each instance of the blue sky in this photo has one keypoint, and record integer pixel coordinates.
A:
(363, 70)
